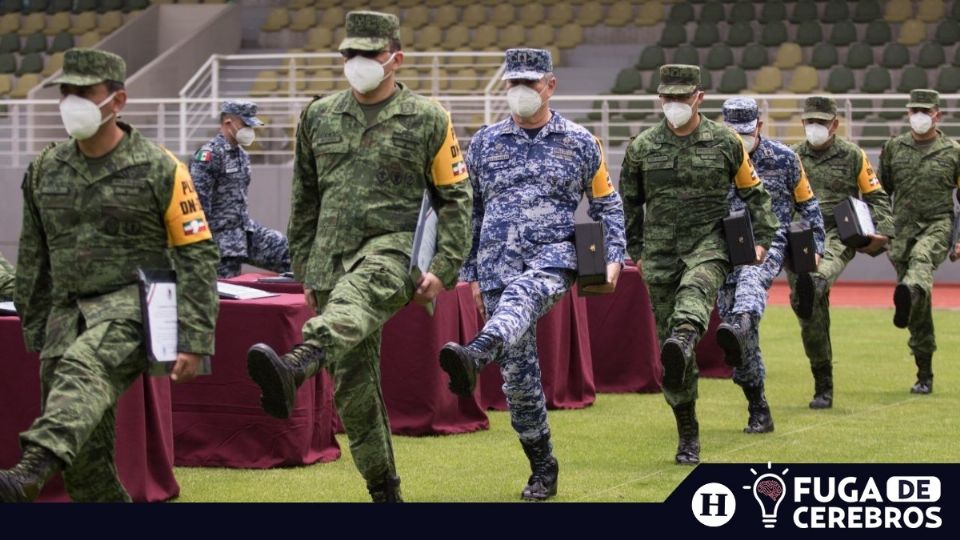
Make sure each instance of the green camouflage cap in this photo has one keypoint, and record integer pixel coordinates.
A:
(87, 67)
(923, 99)
(819, 107)
(678, 79)
(370, 30)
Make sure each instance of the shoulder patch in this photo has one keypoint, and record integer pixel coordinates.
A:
(203, 155)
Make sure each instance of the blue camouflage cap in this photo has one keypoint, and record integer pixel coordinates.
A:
(247, 110)
(526, 64)
(741, 114)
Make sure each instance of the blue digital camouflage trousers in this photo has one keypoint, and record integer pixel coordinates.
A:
(745, 291)
(266, 248)
(512, 314)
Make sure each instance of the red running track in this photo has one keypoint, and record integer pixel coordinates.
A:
(868, 294)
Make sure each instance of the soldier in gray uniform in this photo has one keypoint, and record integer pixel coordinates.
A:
(221, 172)
(743, 296)
(529, 173)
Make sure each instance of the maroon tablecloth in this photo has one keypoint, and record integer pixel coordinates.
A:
(217, 418)
(566, 366)
(252, 280)
(144, 444)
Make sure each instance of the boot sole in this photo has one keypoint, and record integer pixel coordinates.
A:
(264, 372)
(674, 366)
(901, 304)
(551, 493)
(805, 293)
(732, 351)
(814, 405)
(767, 429)
(454, 366)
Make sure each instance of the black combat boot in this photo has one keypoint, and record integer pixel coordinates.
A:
(807, 289)
(823, 387)
(904, 298)
(924, 384)
(387, 491)
(676, 354)
(688, 449)
(463, 363)
(544, 468)
(280, 376)
(732, 338)
(760, 421)
(24, 481)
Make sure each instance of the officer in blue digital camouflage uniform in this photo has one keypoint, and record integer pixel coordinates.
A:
(529, 173)
(743, 295)
(221, 172)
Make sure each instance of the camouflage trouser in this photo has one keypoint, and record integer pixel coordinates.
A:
(815, 331)
(348, 328)
(745, 291)
(687, 300)
(916, 252)
(513, 313)
(266, 248)
(80, 392)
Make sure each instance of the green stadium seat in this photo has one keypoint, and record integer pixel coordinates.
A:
(84, 5)
(948, 80)
(741, 11)
(775, 10)
(956, 57)
(59, 6)
(951, 129)
(10, 6)
(895, 56)
(686, 54)
(628, 81)
(789, 56)
(948, 32)
(931, 55)
(878, 33)
(876, 80)
(681, 13)
(733, 81)
(740, 34)
(35, 43)
(654, 82)
(804, 11)
(719, 57)
(843, 33)
(930, 11)
(104, 6)
(596, 110)
(773, 34)
(809, 33)
(861, 108)
(706, 79)
(619, 135)
(836, 11)
(711, 12)
(9, 43)
(874, 135)
(134, 5)
(911, 78)
(638, 110)
(840, 80)
(652, 57)
(30, 63)
(35, 6)
(804, 80)
(8, 63)
(674, 34)
(706, 35)
(824, 56)
(955, 11)
(867, 10)
(754, 56)
(859, 56)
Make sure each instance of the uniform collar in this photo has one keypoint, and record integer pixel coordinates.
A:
(838, 147)
(121, 157)
(704, 132)
(556, 124)
(938, 144)
(402, 104)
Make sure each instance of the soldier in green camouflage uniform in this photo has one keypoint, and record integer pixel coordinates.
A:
(837, 169)
(920, 169)
(363, 159)
(6, 280)
(674, 182)
(97, 207)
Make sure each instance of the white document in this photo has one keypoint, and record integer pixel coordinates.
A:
(862, 210)
(7, 308)
(239, 292)
(424, 243)
(161, 318)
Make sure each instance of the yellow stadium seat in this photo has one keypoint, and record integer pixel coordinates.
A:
(791, 130)
(416, 17)
(651, 13)
(278, 19)
(502, 15)
(912, 32)
(265, 84)
(25, 83)
(54, 63)
(297, 4)
(789, 56)
(531, 14)
(767, 80)
(541, 35)
(321, 83)
(9, 23)
(484, 36)
(781, 109)
(457, 36)
(109, 22)
(555, 56)
(5, 85)
(445, 16)
(84, 23)
(303, 19)
(59, 22)
(930, 10)
(463, 80)
(590, 14)
(319, 38)
(333, 17)
(804, 80)
(569, 36)
(88, 39)
(898, 10)
(32, 24)
(513, 35)
(429, 37)
(474, 15)
(560, 14)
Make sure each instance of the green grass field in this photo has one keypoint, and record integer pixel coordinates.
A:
(621, 448)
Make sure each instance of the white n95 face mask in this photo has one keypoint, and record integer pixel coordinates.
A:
(524, 101)
(920, 123)
(245, 136)
(817, 134)
(749, 141)
(678, 114)
(365, 74)
(81, 117)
